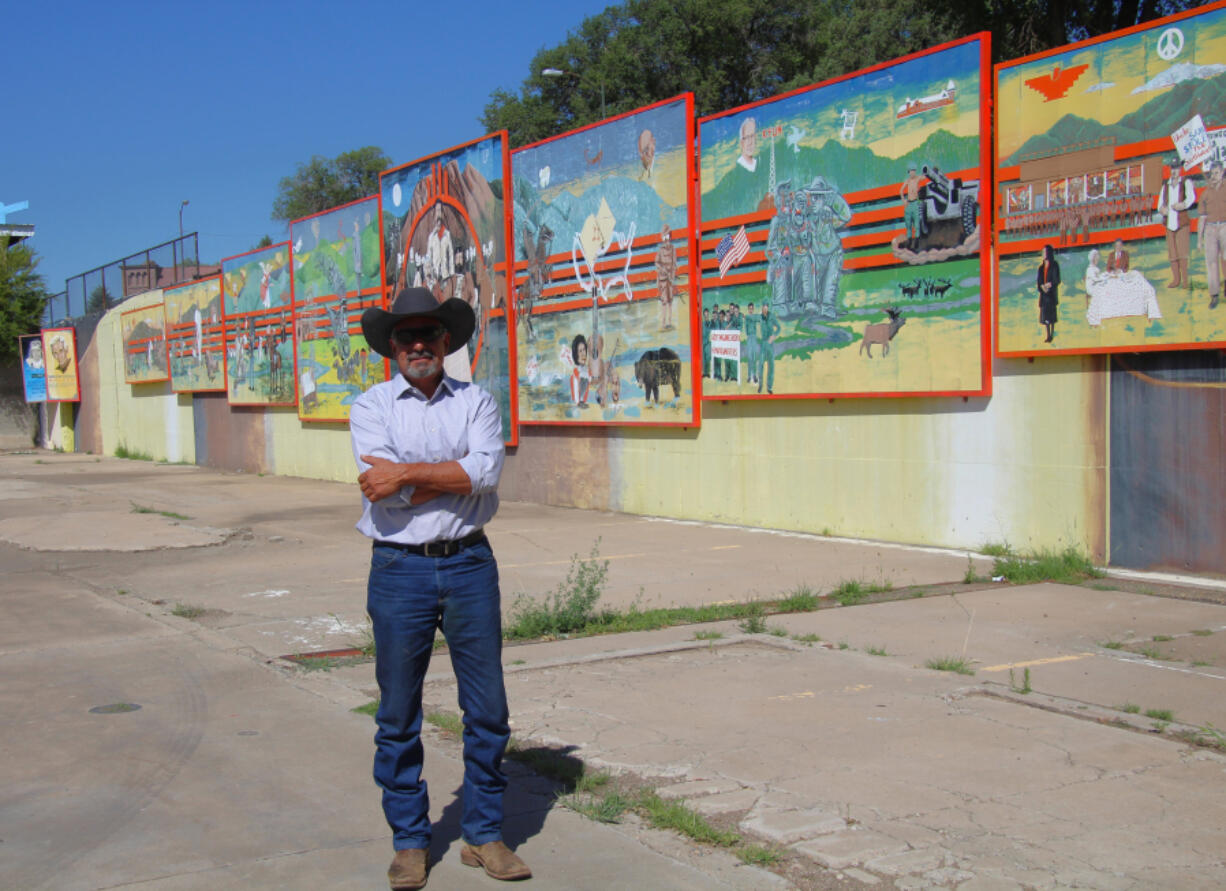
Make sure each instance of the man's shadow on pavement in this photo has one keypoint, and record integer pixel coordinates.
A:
(531, 794)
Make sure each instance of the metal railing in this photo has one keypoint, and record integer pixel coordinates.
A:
(169, 263)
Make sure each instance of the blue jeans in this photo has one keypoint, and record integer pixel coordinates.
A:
(408, 597)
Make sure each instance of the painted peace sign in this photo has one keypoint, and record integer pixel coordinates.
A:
(1170, 43)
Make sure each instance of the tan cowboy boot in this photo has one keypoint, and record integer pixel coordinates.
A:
(498, 861)
(408, 869)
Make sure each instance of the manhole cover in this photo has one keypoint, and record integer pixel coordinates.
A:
(114, 708)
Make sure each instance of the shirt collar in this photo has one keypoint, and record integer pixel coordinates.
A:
(405, 388)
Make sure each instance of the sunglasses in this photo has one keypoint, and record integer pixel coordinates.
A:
(424, 334)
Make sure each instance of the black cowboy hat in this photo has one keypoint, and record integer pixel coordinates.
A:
(454, 314)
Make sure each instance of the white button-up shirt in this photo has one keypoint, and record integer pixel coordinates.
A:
(394, 420)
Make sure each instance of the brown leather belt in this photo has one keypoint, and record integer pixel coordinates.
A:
(442, 548)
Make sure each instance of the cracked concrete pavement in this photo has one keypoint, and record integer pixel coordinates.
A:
(826, 736)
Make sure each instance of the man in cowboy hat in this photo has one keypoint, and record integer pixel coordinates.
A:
(1176, 198)
(430, 451)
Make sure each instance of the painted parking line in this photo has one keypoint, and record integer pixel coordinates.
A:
(1051, 660)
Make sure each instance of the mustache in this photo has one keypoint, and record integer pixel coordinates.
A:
(422, 354)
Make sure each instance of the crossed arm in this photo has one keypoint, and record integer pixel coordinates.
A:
(385, 478)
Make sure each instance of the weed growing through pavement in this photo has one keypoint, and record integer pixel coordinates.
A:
(368, 708)
(800, 600)
(1162, 638)
(707, 635)
(1160, 714)
(1068, 566)
(806, 638)
(1112, 645)
(1155, 653)
(123, 451)
(680, 818)
(519, 661)
(759, 855)
(950, 663)
(1202, 632)
(755, 622)
(851, 591)
(876, 651)
(1025, 687)
(778, 631)
(843, 645)
(1130, 708)
(572, 605)
(1200, 663)
(141, 509)
(187, 611)
(446, 721)
(971, 577)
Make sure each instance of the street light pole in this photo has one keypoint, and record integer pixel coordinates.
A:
(181, 206)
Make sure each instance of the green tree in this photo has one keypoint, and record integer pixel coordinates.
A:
(731, 52)
(23, 296)
(265, 241)
(323, 183)
(99, 300)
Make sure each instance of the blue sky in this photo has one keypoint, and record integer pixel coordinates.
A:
(115, 113)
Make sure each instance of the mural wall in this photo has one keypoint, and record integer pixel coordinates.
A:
(144, 345)
(336, 277)
(605, 288)
(257, 308)
(195, 336)
(445, 222)
(1103, 161)
(841, 233)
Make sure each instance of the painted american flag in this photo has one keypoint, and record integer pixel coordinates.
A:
(731, 250)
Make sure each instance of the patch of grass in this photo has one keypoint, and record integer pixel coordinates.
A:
(754, 623)
(759, 855)
(1112, 645)
(123, 451)
(519, 661)
(141, 509)
(851, 591)
(1202, 632)
(368, 709)
(777, 631)
(1160, 714)
(1200, 663)
(1162, 638)
(187, 611)
(996, 549)
(707, 635)
(806, 638)
(800, 600)
(876, 651)
(569, 608)
(843, 645)
(1155, 653)
(446, 721)
(1025, 687)
(1130, 708)
(1068, 566)
(603, 808)
(950, 663)
(678, 817)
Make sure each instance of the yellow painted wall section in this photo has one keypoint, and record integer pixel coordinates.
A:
(146, 419)
(59, 423)
(1026, 466)
(316, 451)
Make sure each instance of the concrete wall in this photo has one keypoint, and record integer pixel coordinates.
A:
(1028, 466)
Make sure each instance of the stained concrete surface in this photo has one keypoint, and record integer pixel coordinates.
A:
(239, 770)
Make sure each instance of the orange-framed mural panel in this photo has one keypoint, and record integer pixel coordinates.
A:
(195, 341)
(257, 309)
(144, 345)
(606, 316)
(829, 267)
(1103, 156)
(337, 275)
(445, 226)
